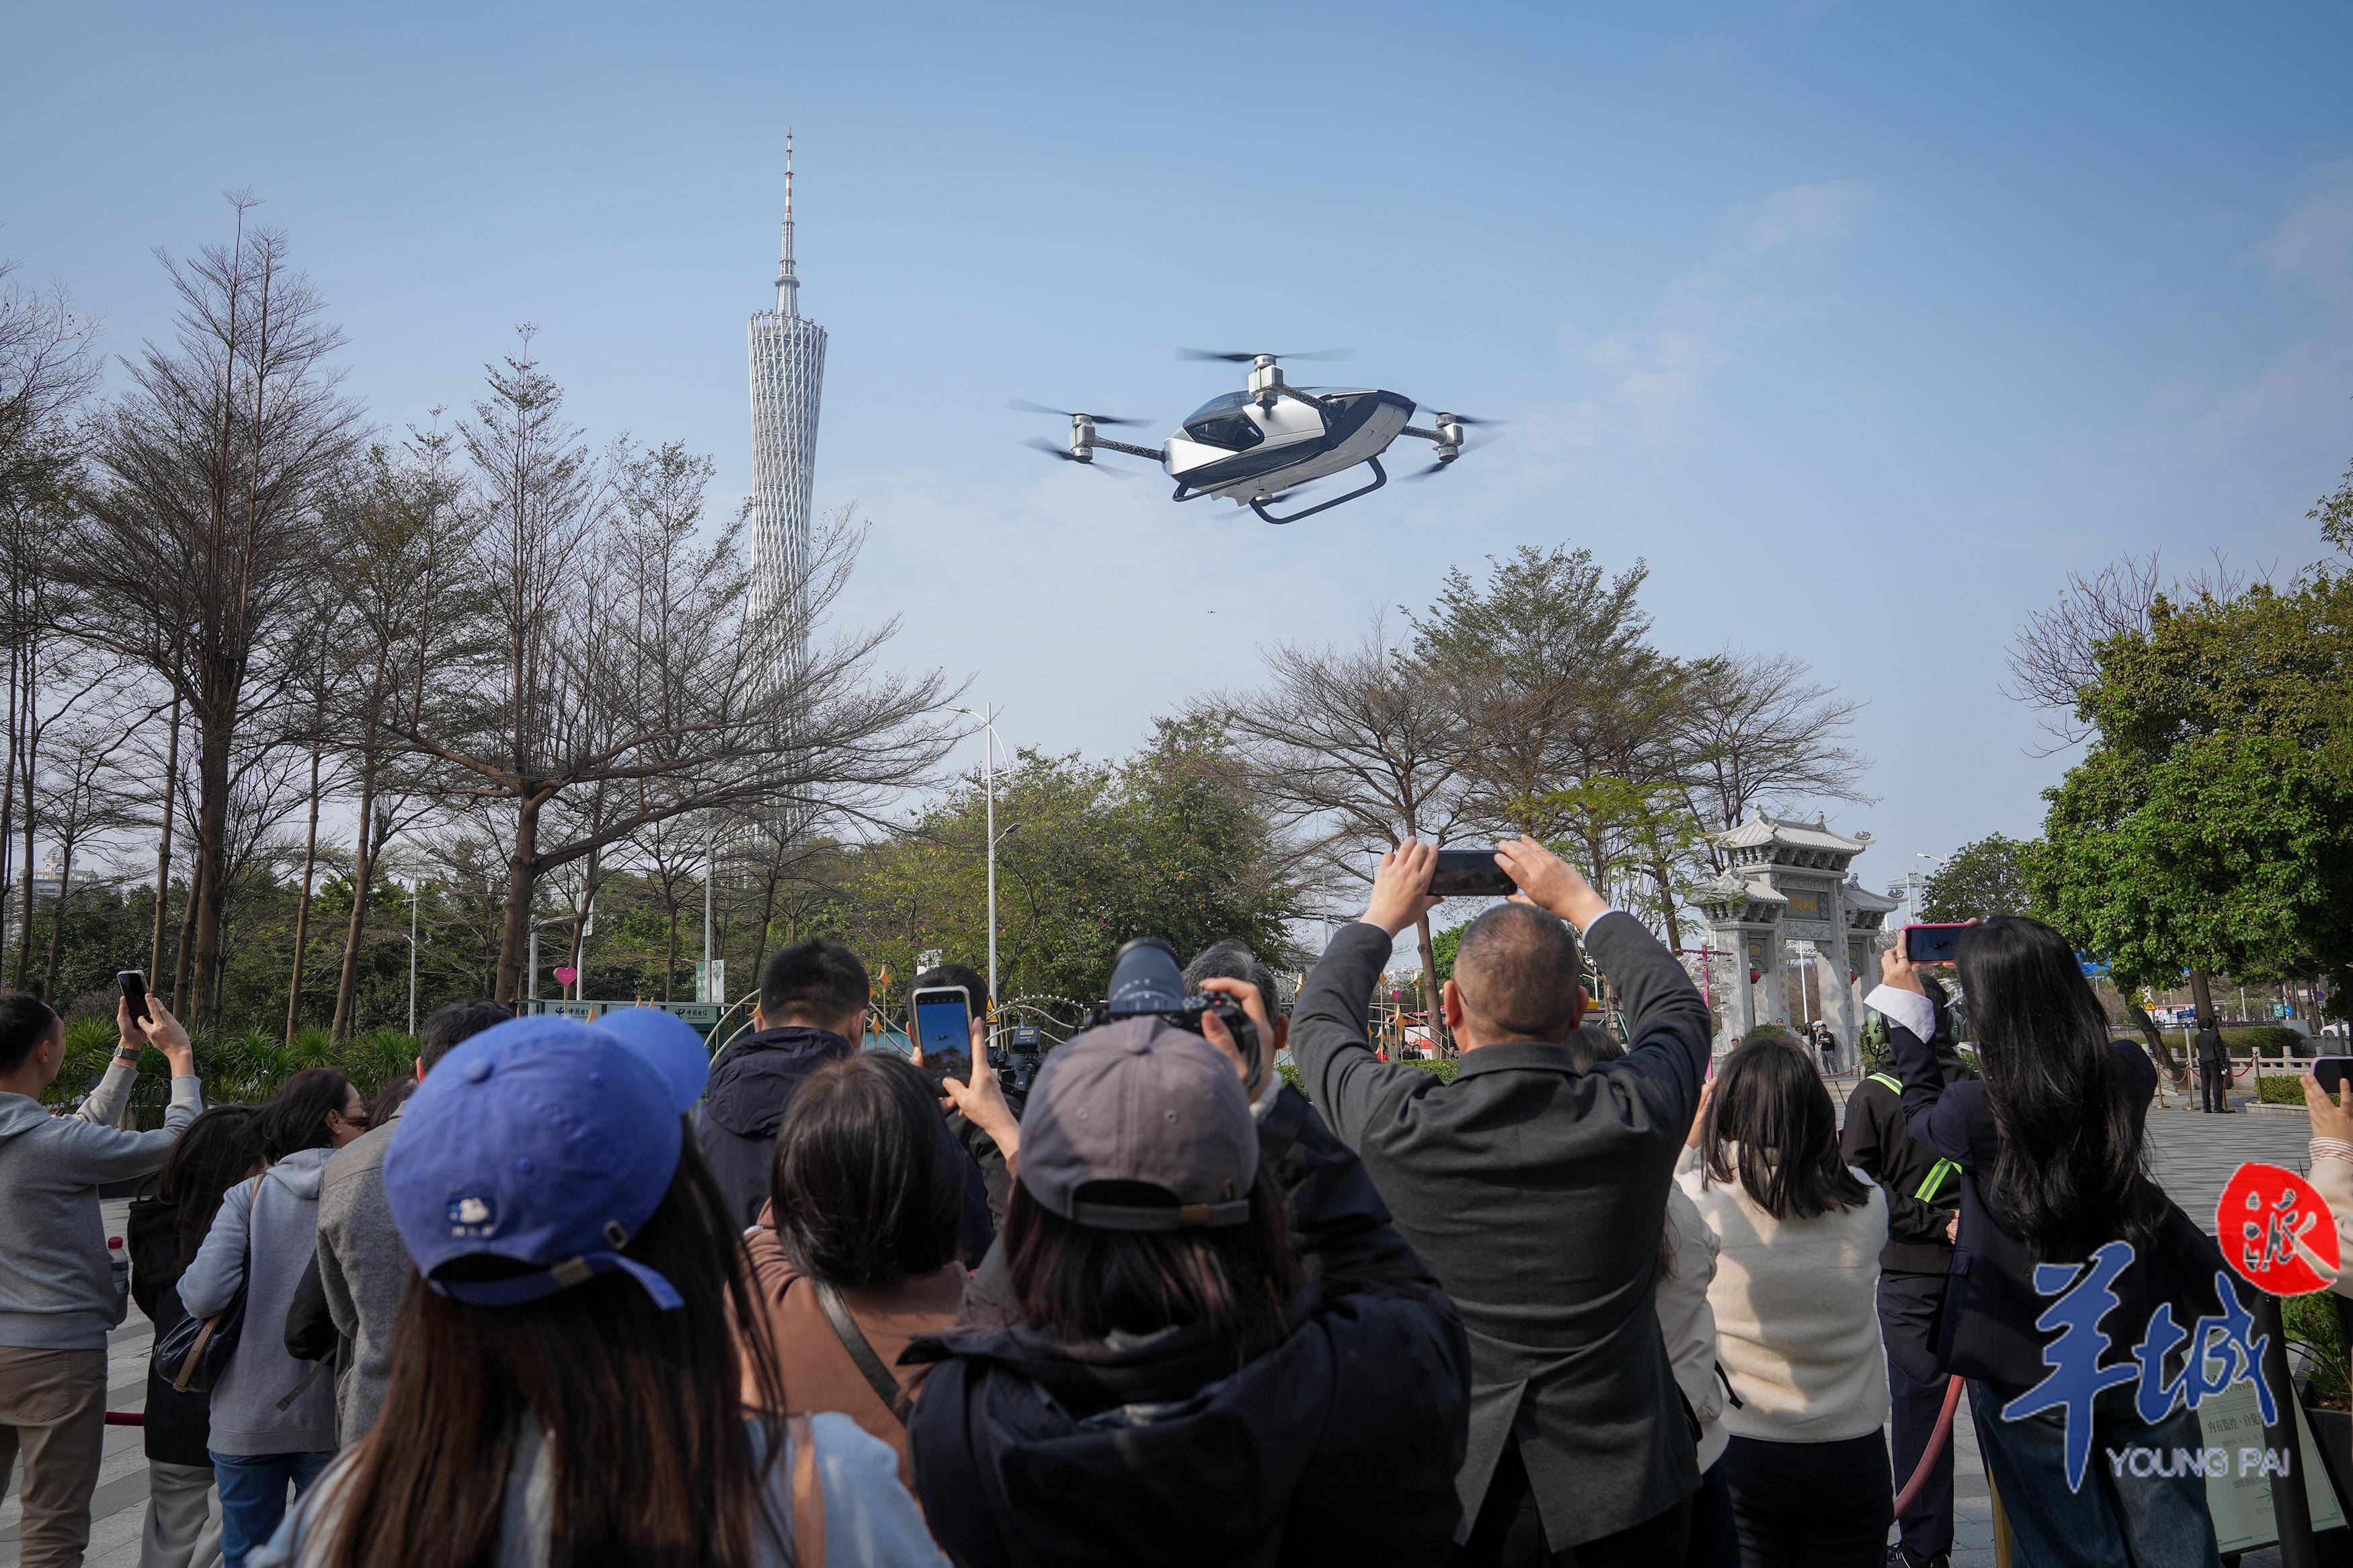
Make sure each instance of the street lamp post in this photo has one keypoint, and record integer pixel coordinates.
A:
(988, 775)
(415, 888)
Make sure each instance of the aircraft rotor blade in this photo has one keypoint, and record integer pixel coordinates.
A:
(1023, 405)
(1244, 356)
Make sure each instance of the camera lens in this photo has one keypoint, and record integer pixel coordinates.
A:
(1144, 978)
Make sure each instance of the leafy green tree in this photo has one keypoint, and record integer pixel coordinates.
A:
(1987, 877)
(1166, 843)
(1445, 945)
(2211, 826)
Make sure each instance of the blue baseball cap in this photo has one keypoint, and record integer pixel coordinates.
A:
(543, 1141)
(668, 1045)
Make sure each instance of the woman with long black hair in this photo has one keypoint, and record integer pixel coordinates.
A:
(2049, 1142)
(1798, 1234)
(569, 1366)
(167, 1222)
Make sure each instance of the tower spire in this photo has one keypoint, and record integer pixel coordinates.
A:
(788, 287)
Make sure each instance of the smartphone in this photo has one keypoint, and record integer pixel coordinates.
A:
(1470, 874)
(2334, 1072)
(941, 1023)
(134, 991)
(1933, 943)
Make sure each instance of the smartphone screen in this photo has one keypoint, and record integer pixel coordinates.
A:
(2334, 1072)
(134, 991)
(1933, 943)
(942, 1027)
(1470, 874)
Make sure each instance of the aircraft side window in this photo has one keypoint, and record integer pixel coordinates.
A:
(1233, 431)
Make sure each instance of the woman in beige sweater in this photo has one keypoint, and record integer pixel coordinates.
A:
(1798, 1233)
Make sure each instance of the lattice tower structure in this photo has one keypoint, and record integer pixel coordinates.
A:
(787, 356)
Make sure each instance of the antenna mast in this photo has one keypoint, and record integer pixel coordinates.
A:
(788, 287)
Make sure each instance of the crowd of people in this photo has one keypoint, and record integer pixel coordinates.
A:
(578, 1293)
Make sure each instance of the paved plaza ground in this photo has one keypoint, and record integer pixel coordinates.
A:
(2193, 1156)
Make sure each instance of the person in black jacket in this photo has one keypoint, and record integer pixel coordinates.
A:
(166, 1222)
(1167, 1383)
(2049, 1146)
(1536, 1191)
(2214, 1069)
(1924, 1209)
(813, 1001)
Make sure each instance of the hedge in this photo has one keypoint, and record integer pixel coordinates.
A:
(2269, 1040)
(2277, 1089)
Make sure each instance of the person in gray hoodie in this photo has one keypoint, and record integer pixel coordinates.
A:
(273, 1418)
(58, 1294)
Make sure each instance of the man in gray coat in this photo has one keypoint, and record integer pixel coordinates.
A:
(58, 1292)
(363, 1268)
(1536, 1191)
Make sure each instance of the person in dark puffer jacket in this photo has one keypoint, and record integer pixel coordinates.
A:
(1170, 1381)
(1924, 1209)
(813, 1001)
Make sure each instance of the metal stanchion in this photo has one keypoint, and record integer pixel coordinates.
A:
(2291, 1509)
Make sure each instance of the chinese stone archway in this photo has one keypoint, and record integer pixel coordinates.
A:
(1787, 883)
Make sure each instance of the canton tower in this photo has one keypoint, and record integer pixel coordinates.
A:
(787, 380)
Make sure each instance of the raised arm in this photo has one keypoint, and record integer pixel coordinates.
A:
(1667, 1022)
(1353, 1089)
(99, 1151)
(1936, 1122)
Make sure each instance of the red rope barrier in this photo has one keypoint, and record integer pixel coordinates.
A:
(1936, 1447)
(125, 1418)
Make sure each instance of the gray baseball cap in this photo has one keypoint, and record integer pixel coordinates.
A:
(1140, 1100)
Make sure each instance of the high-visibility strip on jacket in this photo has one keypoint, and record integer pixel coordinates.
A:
(1934, 1182)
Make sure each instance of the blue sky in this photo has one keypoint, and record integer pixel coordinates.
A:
(1861, 324)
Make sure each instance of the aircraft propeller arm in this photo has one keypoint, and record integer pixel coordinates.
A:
(1417, 430)
(1154, 453)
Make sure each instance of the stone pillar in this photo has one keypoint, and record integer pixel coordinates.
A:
(1777, 981)
(1838, 997)
(1740, 998)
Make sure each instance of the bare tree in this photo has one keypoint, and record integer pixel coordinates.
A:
(199, 534)
(47, 368)
(55, 680)
(728, 710)
(1354, 750)
(1758, 731)
(2056, 652)
(1571, 718)
(80, 799)
(319, 682)
(403, 605)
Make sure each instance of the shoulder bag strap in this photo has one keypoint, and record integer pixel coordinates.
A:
(809, 1494)
(862, 1355)
(189, 1362)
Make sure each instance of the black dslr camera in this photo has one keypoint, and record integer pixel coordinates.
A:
(1145, 980)
(1025, 1049)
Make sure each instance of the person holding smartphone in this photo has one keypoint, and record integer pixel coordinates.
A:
(2050, 1144)
(1538, 1194)
(58, 1290)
